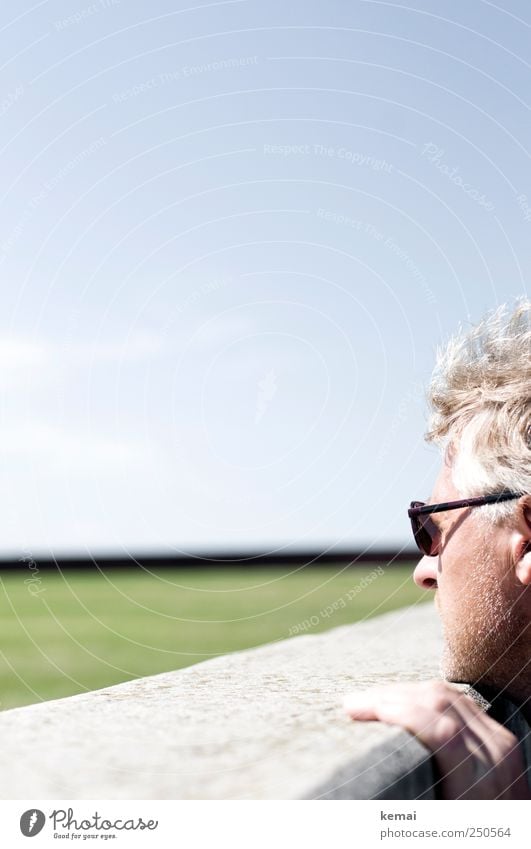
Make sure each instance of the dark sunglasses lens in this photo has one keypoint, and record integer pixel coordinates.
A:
(426, 534)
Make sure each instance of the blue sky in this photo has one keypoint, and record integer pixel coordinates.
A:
(232, 236)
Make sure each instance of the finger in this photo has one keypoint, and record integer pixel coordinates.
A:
(414, 706)
(484, 760)
(488, 734)
(387, 703)
(477, 757)
(361, 705)
(497, 754)
(426, 711)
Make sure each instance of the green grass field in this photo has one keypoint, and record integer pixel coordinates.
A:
(87, 630)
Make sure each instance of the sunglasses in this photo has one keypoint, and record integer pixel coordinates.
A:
(427, 534)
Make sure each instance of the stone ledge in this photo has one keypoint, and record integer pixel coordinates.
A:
(264, 723)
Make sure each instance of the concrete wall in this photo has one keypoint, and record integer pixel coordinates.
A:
(265, 723)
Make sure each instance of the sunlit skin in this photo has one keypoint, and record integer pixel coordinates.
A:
(482, 584)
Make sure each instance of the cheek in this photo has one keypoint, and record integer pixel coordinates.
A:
(470, 580)
(459, 565)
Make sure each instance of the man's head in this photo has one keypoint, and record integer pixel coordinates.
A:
(481, 417)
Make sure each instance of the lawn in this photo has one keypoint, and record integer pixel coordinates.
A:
(88, 630)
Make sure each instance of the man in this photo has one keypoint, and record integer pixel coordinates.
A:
(477, 558)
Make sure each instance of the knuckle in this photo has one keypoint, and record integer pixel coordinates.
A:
(510, 751)
(508, 736)
(437, 686)
(440, 695)
(507, 742)
(440, 702)
(447, 729)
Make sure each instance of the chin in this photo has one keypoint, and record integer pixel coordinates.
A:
(480, 662)
(452, 669)
(466, 660)
(480, 640)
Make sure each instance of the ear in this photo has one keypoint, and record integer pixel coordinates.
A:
(522, 541)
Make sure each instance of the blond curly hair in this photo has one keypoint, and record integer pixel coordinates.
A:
(480, 400)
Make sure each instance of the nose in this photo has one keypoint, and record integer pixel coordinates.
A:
(425, 574)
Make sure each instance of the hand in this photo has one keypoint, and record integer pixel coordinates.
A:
(476, 756)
